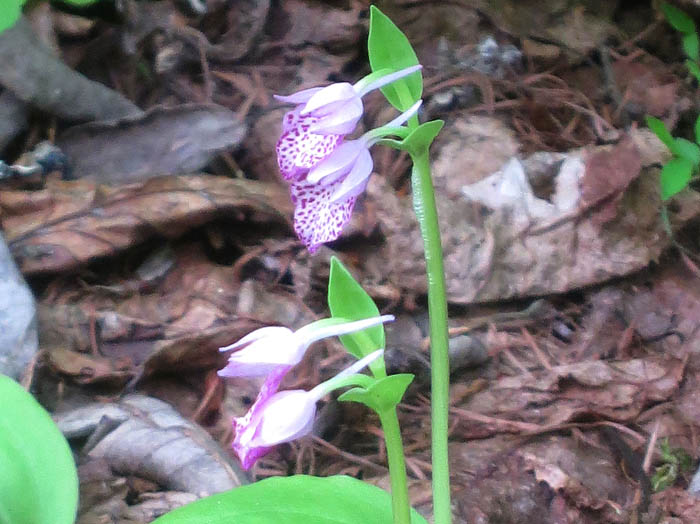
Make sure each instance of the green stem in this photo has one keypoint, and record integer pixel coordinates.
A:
(397, 467)
(426, 212)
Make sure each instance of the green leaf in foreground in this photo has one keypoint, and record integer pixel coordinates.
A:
(38, 479)
(300, 499)
(678, 19)
(10, 11)
(675, 176)
(347, 299)
(388, 48)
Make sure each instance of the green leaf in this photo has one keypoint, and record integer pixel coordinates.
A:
(300, 499)
(383, 395)
(693, 68)
(38, 479)
(10, 11)
(690, 46)
(80, 2)
(660, 130)
(347, 299)
(697, 130)
(675, 177)
(419, 139)
(389, 48)
(686, 149)
(678, 19)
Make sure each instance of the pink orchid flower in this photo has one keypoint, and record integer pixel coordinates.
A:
(275, 350)
(320, 120)
(278, 417)
(325, 199)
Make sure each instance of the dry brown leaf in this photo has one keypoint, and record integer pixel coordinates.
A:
(70, 223)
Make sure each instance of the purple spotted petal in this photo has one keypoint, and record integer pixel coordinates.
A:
(298, 149)
(317, 220)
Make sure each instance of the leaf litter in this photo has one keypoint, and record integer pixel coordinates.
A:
(573, 318)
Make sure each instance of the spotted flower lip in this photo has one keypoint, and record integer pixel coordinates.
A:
(278, 417)
(325, 199)
(338, 107)
(277, 349)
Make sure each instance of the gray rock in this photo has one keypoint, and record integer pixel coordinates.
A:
(694, 487)
(18, 334)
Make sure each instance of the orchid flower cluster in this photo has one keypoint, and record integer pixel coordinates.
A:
(327, 170)
(326, 173)
(282, 416)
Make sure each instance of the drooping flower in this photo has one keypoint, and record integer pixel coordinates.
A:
(325, 199)
(278, 417)
(321, 119)
(275, 350)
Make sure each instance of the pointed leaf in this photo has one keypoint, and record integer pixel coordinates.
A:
(300, 499)
(697, 130)
(675, 177)
(660, 130)
(38, 479)
(693, 68)
(678, 19)
(10, 11)
(389, 48)
(690, 45)
(347, 299)
(686, 149)
(421, 137)
(383, 395)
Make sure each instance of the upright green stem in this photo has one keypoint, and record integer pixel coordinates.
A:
(426, 212)
(397, 467)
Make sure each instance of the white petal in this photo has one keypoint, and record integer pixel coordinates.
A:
(300, 97)
(328, 98)
(270, 331)
(309, 336)
(403, 117)
(387, 79)
(357, 178)
(342, 120)
(286, 416)
(337, 164)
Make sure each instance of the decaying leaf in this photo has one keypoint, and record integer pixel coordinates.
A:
(503, 239)
(163, 141)
(610, 390)
(70, 223)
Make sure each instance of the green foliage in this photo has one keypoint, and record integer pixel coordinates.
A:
(680, 21)
(383, 395)
(80, 3)
(675, 462)
(38, 479)
(347, 300)
(389, 48)
(299, 499)
(675, 176)
(10, 10)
